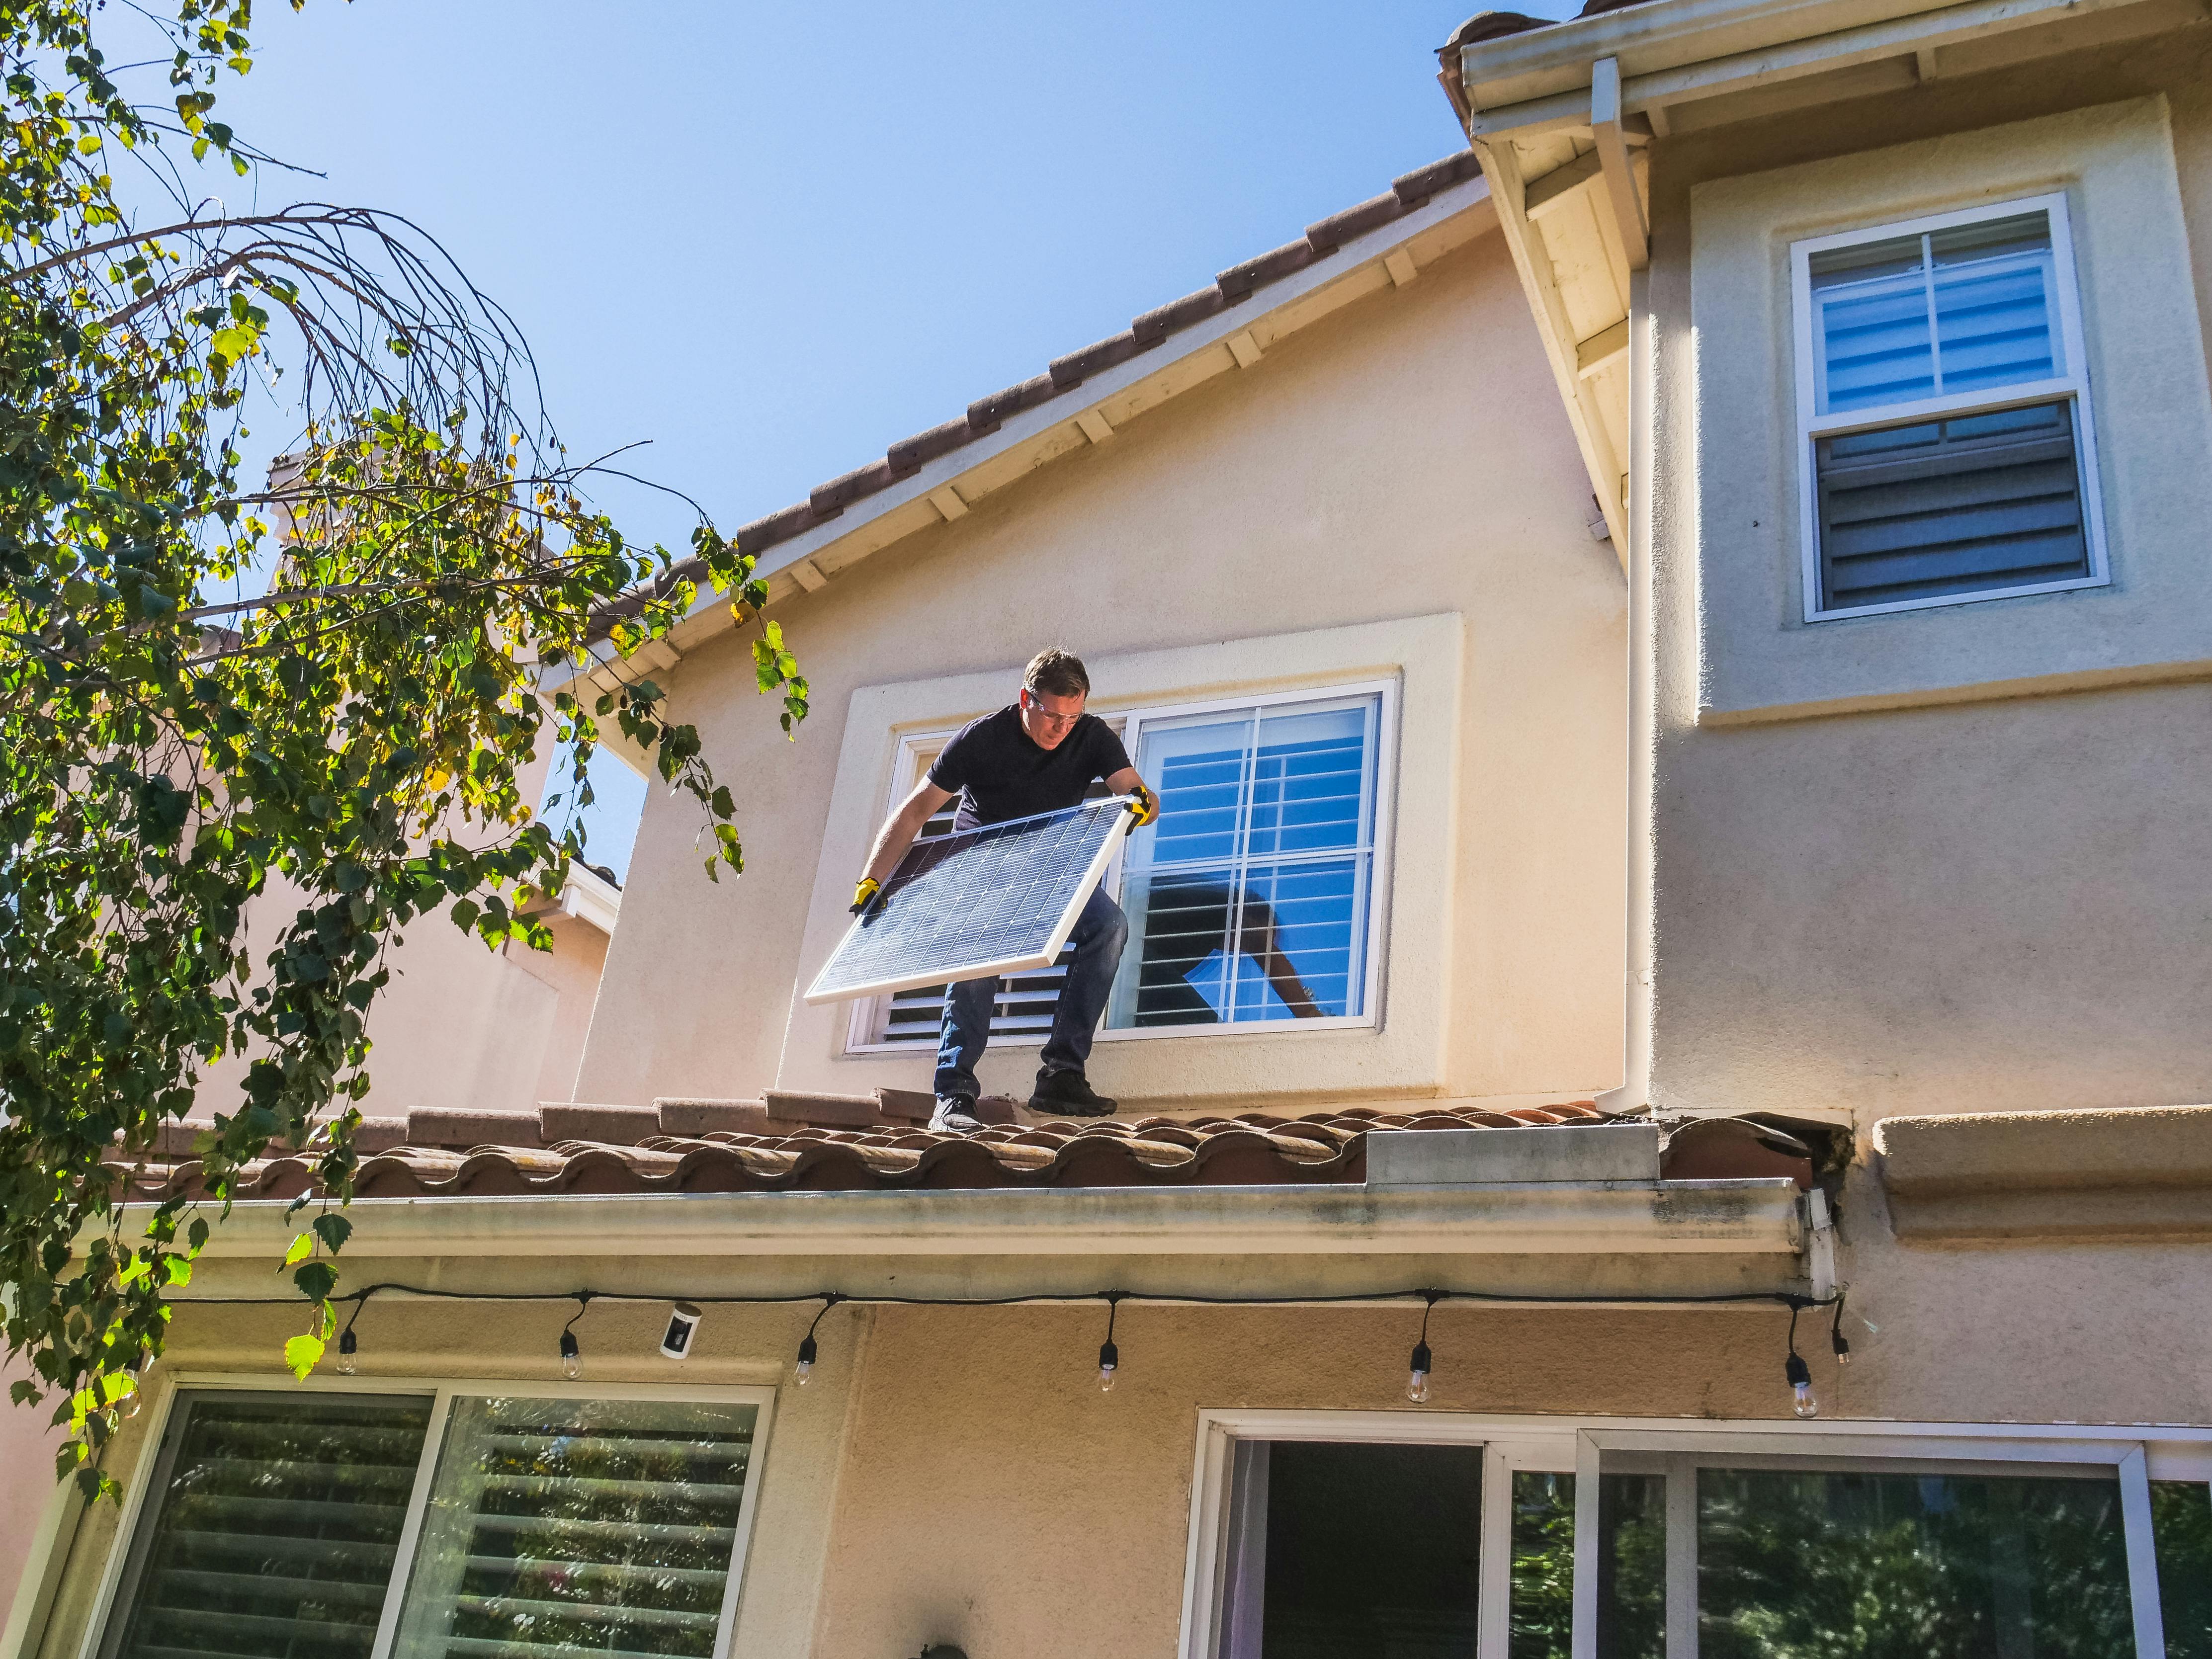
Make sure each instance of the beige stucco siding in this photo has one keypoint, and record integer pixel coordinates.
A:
(1402, 459)
(1991, 906)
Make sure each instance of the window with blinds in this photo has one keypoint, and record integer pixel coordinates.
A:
(277, 1528)
(1945, 412)
(273, 1526)
(578, 1526)
(1250, 898)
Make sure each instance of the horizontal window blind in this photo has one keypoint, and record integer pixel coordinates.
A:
(1249, 896)
(567, 1526)
(1974, 502)
(275, 1528)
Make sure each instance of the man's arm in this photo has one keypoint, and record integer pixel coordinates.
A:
(1260, 943)
(901, 828)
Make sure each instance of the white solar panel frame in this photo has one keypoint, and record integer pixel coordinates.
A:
(1044, 956)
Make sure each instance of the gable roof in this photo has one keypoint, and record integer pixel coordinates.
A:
(1082, 398)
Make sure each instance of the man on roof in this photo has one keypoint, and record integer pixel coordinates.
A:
(1039, 754)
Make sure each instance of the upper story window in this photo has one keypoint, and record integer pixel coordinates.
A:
(1944, 410)
(1252, 897)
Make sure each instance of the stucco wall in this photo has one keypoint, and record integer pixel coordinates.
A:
(1403, 459)
(955, 1474)
(1999, 905)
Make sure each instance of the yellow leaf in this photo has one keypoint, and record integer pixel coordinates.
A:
(301, 1354)
(302, 1248)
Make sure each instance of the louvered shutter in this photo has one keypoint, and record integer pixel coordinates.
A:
(606, 1527)
(273, 1528)
(1975, 502)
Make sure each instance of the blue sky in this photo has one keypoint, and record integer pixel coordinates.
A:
(772, 237)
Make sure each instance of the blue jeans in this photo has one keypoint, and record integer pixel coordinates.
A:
(1100, 933)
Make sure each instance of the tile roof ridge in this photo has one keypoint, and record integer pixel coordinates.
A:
(1232, 286)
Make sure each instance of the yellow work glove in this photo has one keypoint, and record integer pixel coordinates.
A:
(1144, 804)
(866, 894)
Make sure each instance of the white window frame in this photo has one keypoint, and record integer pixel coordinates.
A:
(1575, 1445)
(867, 1016)
(2072, 386)
(442, 1393)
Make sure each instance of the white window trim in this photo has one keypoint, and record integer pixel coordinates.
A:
(1574, 1445)
(2073, 386)
(866, 1017)
(443, 1392)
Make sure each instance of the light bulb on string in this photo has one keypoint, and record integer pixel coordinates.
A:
(348, 1347)
(1799, 1373)
(572, 1351)
(1422, 1362)
(135, 1401)
(1109, 1356)
(802, 1372)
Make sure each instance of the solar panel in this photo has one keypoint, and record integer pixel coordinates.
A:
(1000, 899)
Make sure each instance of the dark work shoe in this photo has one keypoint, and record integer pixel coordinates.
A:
(1070, 1095)
(955, 1114)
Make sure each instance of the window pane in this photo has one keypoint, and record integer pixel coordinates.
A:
(276, 1528)
(2181, 1524)
(1541, 1620)
(1905, 1566)
(1993, 303)
(1971, 504)
(1297, 954)
(1371, 1552)
(605, 1526)
(1308, 785)
(1632, 1566)
(1249, 897)
(1198, 767)
(1870, 325)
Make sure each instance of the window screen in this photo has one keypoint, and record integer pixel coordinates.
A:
(1249, 896)
(1964, 493)
(272, 1527)
(578, 1525)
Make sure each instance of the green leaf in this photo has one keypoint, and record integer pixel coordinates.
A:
(302, 1248)
(302, 1354)
(333, 1230)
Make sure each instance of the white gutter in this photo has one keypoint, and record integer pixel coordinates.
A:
(1693, 1218)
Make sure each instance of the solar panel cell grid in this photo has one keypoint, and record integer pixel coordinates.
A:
(997, 899)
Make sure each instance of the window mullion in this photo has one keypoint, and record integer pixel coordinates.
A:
(1583, 1644)
(1928, 280)
(410, 1529)
(1681, 1557)
(1493, 1599)
(1240, 868)
(2143, 1556)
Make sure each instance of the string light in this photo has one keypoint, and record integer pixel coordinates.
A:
(1417, 1375)
(1419, 1370)
(572, 1351)
(1799, 1373)
(1109, 1356)
(135, 1401)
(802, 1372)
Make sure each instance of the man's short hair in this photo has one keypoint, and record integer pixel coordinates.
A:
(1054, 672)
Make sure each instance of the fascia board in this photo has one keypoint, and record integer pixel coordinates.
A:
(1688, 1217)
(892, 513)
(1692, 49)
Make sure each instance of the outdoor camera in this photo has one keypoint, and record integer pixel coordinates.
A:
(682, 1326)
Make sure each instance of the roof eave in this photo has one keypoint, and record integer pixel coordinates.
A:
(1673, 53)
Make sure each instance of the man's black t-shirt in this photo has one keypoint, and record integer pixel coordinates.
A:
(1000, 772)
